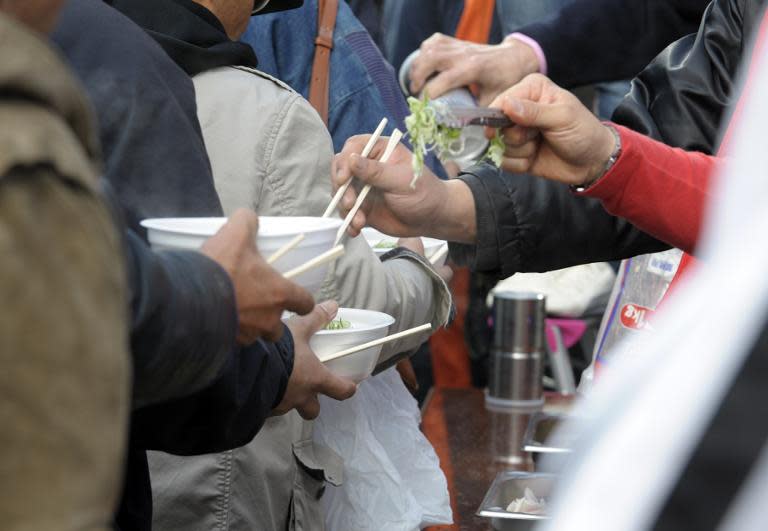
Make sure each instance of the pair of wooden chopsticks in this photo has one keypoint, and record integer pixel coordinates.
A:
(377, 342)
(394, 140)
(289, 246)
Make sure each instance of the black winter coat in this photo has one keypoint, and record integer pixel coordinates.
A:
(527, 224)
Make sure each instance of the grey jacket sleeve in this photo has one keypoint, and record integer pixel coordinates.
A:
(528, 224)
(403, 286)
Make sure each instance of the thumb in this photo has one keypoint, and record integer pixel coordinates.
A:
(320, 317)
(374, 173)
(297, 299)
(247, 218)
(335, 387)
(542, 116)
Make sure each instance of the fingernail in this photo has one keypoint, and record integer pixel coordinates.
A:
(358, 162)
(516, 106)
(330, 307)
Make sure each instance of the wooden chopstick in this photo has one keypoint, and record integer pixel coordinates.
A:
(319, 260)
(366, 151)
(377, 342)
(438, 255)
(285, 248)
(334, 202)
(394, 140)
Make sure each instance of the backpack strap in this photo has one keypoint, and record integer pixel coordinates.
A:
(319, 84)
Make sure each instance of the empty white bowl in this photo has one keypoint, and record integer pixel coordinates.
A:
(366, 325)
(375, 238)
(274, 232)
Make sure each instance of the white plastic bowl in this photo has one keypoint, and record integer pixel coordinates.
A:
(367, 325)
(373, 237)
(274, 232)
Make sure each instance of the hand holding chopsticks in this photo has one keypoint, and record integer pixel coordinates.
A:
(394, 140)
(366, 151)
(289, 246)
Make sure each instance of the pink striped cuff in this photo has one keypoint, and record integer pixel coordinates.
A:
(525, 39)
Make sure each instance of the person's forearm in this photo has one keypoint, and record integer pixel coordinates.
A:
(455, 218)
(660, 189)
(184, 321)
(529, 224)
(228, 413)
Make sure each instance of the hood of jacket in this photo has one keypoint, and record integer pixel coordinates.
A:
(188, 32)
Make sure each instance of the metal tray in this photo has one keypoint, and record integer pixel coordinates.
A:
(509, 486)
(540, 427)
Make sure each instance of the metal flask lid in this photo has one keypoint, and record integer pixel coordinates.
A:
(518, 321)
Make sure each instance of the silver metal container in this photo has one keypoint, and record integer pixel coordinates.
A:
(517, 353)
(507, 487)
(507, 439)
(549, 447)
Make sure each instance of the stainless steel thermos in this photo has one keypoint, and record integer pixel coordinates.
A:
(517, 352)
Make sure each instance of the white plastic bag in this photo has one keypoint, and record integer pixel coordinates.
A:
(392, 476)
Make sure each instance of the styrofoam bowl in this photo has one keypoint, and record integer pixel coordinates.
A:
(374, 237)
(274, 232)
(367, 325)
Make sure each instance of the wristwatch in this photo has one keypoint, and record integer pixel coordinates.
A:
(578, 188)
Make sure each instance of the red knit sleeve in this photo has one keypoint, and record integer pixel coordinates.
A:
(661, 190)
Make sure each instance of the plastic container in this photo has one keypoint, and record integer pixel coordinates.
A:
(274, 232)
(366, 325)
(374, 237)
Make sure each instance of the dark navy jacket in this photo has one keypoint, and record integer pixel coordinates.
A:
(589, 41)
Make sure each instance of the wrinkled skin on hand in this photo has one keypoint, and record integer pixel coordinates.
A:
(309, 376)
(555, 136)
(445, 63)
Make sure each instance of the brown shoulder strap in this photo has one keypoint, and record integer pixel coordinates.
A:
(318, 87)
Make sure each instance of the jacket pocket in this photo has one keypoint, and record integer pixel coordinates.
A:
(315, 465)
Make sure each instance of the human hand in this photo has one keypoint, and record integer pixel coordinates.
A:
(261, 293)
(455, 63)
(309, 376)
(392, 206)
(556, 137)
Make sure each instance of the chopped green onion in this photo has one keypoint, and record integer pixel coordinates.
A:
(426, 135)
(385, 244)
(495, 152)
(338, 324)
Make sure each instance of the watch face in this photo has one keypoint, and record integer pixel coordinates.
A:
(261, 7)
